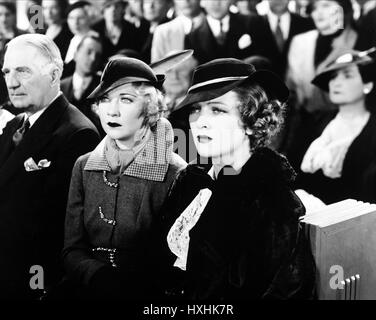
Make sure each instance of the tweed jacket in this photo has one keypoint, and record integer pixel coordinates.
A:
(117, 212)
(247, 243)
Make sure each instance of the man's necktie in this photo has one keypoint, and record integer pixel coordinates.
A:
(279, 36)
(221, 38)
(21, 131)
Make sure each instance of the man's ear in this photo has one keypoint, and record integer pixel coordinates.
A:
(55, 75)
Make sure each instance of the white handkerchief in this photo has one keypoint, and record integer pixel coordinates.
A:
(44, 163)
(245, 41)
(30, 164)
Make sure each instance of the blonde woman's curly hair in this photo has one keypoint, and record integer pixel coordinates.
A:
(260, 113)
(154, 104)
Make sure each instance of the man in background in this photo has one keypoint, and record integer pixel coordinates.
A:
(116, 32)
(76, 88)
(155, 12)
(284, 25)
(169, 37)
(224, 34)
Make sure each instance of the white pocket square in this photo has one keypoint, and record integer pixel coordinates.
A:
(244, 41)
(30, 164)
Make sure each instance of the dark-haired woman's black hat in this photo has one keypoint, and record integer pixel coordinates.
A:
(215, 78)
(345, 59)
(125, 70)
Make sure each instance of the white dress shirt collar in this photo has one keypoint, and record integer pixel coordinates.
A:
(188, 23)
(284, 22)
(79, 81)
(73, 45)
(215, 25)
(35, 116)
(53, 30)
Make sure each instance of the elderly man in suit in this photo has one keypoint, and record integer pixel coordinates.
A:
(85, 79)
(37, 151)
(169, 37)
(224, 34)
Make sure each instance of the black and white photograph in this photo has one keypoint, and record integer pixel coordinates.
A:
(187, 158)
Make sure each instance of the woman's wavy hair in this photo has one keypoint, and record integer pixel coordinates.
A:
(154, 104)
(259, 112)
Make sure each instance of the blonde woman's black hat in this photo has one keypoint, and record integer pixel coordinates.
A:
(121, 71)
(345, 59)
(217, 77)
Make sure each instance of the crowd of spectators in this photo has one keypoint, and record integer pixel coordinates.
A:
(295, 39)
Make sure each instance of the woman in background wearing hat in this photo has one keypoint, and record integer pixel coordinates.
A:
(340, 159)
(117, 190)
(233, 232)
(309, 53)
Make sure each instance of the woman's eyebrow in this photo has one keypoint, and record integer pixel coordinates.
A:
(128, 94)
(216, 102)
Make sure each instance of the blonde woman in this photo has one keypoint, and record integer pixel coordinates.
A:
(118, 189)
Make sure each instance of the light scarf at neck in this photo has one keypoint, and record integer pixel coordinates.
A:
(119, 159)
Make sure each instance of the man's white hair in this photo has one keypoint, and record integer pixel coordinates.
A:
(44, 45)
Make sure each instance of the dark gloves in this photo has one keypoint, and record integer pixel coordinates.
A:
(108, 283)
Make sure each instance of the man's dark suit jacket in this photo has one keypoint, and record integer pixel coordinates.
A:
(33, 204)
(298, 25)
(129, 39)
(82, 104)
(206, 48)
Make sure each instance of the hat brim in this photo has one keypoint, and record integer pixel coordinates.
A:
(269, 81)
(103, 87)
(322, 79)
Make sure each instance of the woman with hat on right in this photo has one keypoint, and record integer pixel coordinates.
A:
(340, 159)
(234, 232)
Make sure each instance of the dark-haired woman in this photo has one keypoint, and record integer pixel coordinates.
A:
(339, 161)
(234, 232)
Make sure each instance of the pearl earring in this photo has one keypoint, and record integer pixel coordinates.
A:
(366, 90)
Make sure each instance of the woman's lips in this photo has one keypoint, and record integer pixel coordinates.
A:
(113, 124)
(204, 139)
(16, 95)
